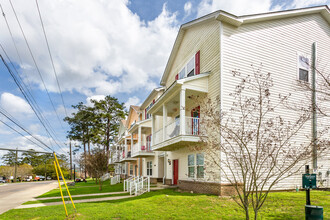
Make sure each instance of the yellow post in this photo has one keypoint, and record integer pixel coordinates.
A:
(59, 184)
(64, 181)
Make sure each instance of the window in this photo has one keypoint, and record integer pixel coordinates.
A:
(146, 115)
(131, 169)
(200, 165)
(123, 169)
(149, 168)
(196, 167)
(188, 69)
(303, 68)
(191, 166)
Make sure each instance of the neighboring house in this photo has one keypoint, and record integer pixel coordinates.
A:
(151, 163)
(205, 52)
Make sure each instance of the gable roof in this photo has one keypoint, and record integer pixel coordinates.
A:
(238, 21)
(132, 108)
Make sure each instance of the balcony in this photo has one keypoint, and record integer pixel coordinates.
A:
(143, 150)
(127, 157)
(172, 138)
(173, 108)
(115, 157)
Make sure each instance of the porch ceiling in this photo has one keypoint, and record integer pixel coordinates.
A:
(194, 85)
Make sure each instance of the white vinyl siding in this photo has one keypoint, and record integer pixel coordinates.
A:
(274, 44)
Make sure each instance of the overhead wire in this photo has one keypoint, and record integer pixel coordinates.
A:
(29, 94)
(21, 127)
(35, 62)
(27, 99)
(51, 57)
(23, 135)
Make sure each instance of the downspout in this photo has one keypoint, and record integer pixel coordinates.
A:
(314, 116)
(221, 87)
(165, 164)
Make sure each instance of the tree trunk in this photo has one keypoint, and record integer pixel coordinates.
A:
(247, 216)
(84, 154)
(88, 141)
(255, 214)
(100, 185)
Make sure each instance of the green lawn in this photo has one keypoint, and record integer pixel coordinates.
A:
(168, 204)
(85, 188)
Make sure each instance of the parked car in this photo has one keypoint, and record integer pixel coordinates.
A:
(2, 181)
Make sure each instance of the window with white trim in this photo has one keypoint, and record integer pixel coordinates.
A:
(303, 67)
(149, 168)
(131, 169)
(188, 69)
(191, 166)
(196, 165)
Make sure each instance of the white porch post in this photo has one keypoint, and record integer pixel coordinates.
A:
(164, 121)
(139, 138)
(182, 111)
(131, 143)
(152, 130)
(126, 148)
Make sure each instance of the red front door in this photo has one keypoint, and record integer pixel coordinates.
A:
(175, 171)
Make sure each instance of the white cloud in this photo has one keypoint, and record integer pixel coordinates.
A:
(237, 7)
(15, 105)
(99, 47)
(132, 101)
(95, 97)
(305, 3)
(244, 7)
(187, 8)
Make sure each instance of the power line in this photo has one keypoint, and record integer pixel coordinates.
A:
(21, 134)
(25, 96)
(29, 94)
(13, 121)
(34, 61)
(51, 57)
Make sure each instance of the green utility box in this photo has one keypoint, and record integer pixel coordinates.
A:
(313, 212)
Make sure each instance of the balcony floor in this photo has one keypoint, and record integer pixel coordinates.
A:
(141, 154)
(176, 143)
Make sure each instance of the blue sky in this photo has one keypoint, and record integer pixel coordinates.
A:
(114, 47)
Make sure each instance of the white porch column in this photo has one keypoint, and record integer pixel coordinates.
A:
(126, 148)
(182, 111)
(139, 138)
(164, 121)
(153, 127)
(131, 143)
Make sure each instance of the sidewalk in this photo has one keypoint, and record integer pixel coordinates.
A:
(82, 195)
(69, 202)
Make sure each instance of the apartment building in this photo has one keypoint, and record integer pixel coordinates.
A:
(205, 53)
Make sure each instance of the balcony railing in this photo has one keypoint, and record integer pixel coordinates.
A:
(143, 149)
(192, 127)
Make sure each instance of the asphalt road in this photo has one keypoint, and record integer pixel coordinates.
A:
(14, 194)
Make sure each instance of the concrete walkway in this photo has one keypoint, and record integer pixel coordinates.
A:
(76, 201)
(82, 195)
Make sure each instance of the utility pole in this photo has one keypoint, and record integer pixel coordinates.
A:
(15, 174)
(70, 162)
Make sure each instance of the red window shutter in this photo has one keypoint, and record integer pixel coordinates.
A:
(176, 76)
(153, 101)
(145, 113)
(197, 63)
